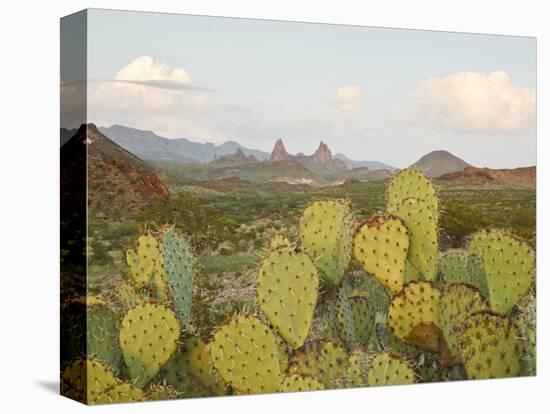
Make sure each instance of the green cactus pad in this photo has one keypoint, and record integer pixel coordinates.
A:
(287, 293)
(458, 302)
(128, 296)
(414, 315)
(121, 393)
(191, 372)
(490, 347)
(381, 246)
(142, 261)
(244, 352)
(178, 265)
(345, 323)
(84, 380)
(509, 267)
(357, 373)
(298, 383)
(388, 369)
(322, 360)
(525, 320)
(355, 316)
(103, 328)
(460, 267)
(326, 230)
(411, 274)
(148, 337)
(411, 183)
(421, 221)
(160, 280)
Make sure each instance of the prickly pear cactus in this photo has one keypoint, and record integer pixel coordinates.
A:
(178, 265)
(381, 246)
(85, 380)
(121, 393)
(388, 369)
(414, 315)
(355, 316)
(460, 267)
(411, 274)
(160, 392)
(421, 221)
(148, 337)
(298, 383)
(525, 320)
(458, 302)
(509, 266)
(410, 183)
(357, 373)
(345, 326)
(279, 240)
(128, 296)
(490, 347)
(191, 371)
(102, 334)
(142, 260)
(287, 293)
(160, 281)
(322, 360)
(326, 230)
(244, 352)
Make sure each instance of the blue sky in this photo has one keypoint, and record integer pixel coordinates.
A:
(374, 94)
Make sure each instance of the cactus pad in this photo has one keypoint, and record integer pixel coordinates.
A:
(279, 240)
(355, 316)
(458, 302)
(102, 331)
(297, 383)
(322, 360)
(148, 337)
(143, 260)
(244, 352)
(121, 393)
(287, 293)
(326, 230)
(411, 183)
(509, 267)
(381, 246)
(414, 315)
(421, 221)
(191, 372)
(387, 369)
(490, 347)
(357, 373)
(178, 265)
(525, 320)
(460, 267)
(84, 380)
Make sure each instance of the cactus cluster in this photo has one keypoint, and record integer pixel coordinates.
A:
(341, 304)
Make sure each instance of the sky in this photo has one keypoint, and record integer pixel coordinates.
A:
(389, 95)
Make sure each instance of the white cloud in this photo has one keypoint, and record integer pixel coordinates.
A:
(173, 112)
(145, 68)
(348, 98)
(477, 102)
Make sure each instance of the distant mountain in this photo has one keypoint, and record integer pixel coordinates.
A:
(437, 163)
(319, 162)
(286, 171)
(66, 134)
(524, 177)
(371, 165)
(118, 182)
(235, 159)
(150, 146)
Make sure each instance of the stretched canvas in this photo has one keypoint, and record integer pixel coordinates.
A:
(253, 206)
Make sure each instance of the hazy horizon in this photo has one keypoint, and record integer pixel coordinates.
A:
(390, 95)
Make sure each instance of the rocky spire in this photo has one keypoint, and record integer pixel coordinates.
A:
(323, 154)
(279, 152)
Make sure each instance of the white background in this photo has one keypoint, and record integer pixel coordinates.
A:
(29, 235)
